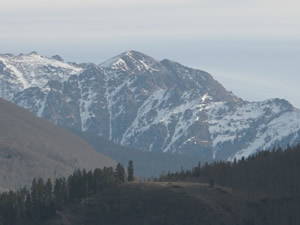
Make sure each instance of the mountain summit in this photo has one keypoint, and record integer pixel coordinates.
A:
(135, 100)
(132, 62)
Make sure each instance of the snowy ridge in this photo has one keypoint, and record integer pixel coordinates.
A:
(284, 126)
(32, 70)
(152, 105)
(224, 123)
(19, 77)
(227, 125)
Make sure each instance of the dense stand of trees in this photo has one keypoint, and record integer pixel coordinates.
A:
(262, 189)
(130, 171)
(34, 205)
(274, 172)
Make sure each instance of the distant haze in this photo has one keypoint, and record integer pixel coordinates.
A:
(251, 47)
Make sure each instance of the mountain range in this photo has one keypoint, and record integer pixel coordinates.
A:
(152, 105)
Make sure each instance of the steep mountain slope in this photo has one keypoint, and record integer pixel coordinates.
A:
(135, 100)
(33, 147)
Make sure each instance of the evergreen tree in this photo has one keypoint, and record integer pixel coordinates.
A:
(120, 173)
(49, 204)
(130, 171)
(57, 193)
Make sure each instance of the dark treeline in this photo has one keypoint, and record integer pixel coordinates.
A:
(274, 172)
(34, 205)
(270, 179)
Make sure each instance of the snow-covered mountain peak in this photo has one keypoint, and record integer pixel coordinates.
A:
(132, 62)
(153, 105)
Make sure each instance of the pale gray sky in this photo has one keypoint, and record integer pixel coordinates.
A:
(251, 47)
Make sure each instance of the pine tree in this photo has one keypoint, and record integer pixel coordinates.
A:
(120, 173)
(49, 204)
(130, 171)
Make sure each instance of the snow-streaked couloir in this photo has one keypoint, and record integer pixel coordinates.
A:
(138, 101)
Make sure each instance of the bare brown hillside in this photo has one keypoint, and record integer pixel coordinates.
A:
(33, 147)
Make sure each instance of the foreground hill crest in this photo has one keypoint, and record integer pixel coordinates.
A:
(154, 105)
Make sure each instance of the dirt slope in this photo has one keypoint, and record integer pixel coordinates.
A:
(33, 147)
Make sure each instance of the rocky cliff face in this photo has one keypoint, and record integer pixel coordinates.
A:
(153, 105)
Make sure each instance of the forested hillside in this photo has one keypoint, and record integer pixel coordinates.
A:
(271, 176)
(274, 172)
(260, 190)
(39, 203)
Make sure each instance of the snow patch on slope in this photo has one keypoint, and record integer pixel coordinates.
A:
(19, 76)
(42, 103)
(225, 124)
(112, 95)
(85, 103)
(164, 115)
(272, 133)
